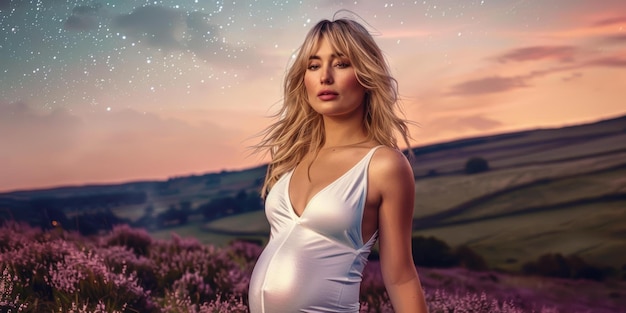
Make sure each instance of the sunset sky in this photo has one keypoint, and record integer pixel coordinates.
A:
(116, 91)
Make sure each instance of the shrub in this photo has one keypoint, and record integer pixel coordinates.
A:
(557, 265)
(432, 252)
(469, 259)
(138, 240)
(432, 173)
(476, 165)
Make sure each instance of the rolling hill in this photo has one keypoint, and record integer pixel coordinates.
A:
(546, 191)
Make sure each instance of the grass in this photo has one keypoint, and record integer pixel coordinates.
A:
(193, 230)
(251, 225)
(548, 193)
(592, 231)
(247, 223)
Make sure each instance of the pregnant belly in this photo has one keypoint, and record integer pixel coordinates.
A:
(288, 280)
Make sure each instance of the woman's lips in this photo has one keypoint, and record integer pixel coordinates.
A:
(327, 95)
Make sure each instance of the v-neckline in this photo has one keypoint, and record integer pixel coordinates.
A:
(306, 205)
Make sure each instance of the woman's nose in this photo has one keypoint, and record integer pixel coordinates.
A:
(327, 77)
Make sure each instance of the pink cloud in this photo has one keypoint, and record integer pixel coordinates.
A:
(618, 39)
(610, 21)
(570, 58)
(487, 85)
(610, 61)
(561, 53)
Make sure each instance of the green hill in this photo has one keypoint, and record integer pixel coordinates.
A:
(546, 191)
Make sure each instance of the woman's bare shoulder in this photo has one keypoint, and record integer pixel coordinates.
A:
(389, 162)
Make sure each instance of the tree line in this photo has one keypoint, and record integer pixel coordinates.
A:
(93, 214)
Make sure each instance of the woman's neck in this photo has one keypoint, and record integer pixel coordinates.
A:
(343, 133)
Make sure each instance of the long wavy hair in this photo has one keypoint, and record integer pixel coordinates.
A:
(298, 129)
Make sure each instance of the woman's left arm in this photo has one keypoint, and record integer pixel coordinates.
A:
(395, 183)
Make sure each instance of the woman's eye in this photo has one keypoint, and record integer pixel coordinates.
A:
(342, 64)
(313, 66)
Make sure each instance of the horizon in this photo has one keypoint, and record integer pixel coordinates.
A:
(99, 94)
(163, 179)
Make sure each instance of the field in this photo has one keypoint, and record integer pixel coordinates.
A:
(515, 215)
(547, 191)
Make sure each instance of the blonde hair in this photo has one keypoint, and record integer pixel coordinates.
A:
(299, 129)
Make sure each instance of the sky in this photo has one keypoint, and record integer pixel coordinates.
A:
(117, 91)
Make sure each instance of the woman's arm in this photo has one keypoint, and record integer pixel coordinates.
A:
(395, 183)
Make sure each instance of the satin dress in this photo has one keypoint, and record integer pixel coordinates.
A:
(314, 262)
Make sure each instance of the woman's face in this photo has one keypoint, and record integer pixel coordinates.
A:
(331, 84)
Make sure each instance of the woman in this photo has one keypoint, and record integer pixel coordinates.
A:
(337, 181)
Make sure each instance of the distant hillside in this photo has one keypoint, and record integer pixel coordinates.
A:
(525, 147)
(545, 191)
(497, 145)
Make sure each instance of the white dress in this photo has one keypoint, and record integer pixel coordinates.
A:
(314, 262)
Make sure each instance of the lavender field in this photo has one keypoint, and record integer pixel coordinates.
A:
(126, 270)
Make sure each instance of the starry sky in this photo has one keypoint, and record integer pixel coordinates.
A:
(116, 91)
